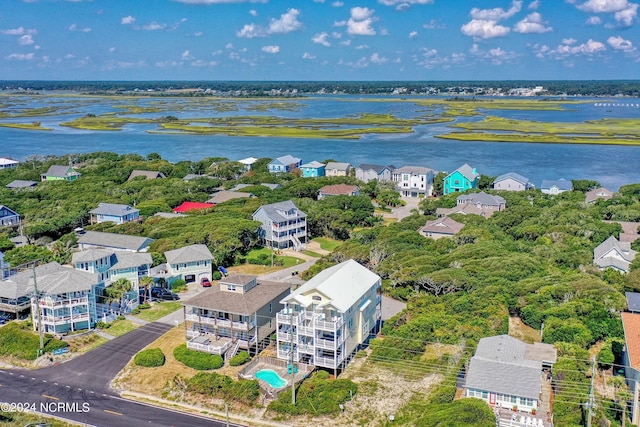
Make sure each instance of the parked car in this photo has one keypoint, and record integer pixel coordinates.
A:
(206, 283)
(162, 293)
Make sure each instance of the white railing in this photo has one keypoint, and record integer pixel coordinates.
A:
(329, 325)
(285, 318)
(303, 330)
(307, 348)
(50, 302)
(325, 362)
(326, 344)
(283, 354)
(65, 319)
(223, 323)
(208, 348)
(284, 336)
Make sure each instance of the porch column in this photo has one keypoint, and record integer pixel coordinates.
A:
(634, 416)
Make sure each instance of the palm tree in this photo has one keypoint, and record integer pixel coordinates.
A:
(116, 292)
(145, 283)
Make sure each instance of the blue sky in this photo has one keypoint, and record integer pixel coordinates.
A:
(319, 39)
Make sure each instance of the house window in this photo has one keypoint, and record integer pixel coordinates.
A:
(316, 298)
(270, 309)
(231, 287)
(456, 182)
(485, 394)
(270, 323)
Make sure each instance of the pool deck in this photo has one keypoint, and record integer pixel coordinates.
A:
(277, 365)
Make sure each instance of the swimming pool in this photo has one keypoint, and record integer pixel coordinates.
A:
(271, 377)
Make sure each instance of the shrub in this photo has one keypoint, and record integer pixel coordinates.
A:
(197, 360)
(150, 358)
(216, 275)
(322, 396)
(240, 359)
(222, 386)
(24, 344)
(178, 285)
(144, 306)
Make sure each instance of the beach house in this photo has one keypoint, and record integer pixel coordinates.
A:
(462, 179)
(283, 225)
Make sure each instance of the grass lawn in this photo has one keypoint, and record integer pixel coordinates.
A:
(287, 261)
(157, 311)
(327, 244)
(311, 253)
(121, 327)
(24, 418)
(85, 343)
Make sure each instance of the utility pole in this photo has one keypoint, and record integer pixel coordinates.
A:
(591, 404)
(37, 300)
(291, 355)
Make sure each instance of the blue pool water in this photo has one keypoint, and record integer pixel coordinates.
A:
(271, 377)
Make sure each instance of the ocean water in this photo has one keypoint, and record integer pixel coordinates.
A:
(612, 166)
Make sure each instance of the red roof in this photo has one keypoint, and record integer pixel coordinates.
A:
(192, 206)
(631, 324)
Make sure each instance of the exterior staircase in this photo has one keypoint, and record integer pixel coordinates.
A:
(232, 351)
(297, 244)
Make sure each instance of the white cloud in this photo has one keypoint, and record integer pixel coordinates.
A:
(532, 23)
(229, 46)
(569, 41)
(201, 63)
(186, 55)
(482, 29)
(618, 43)
(253, 12)
(413, 35)
(337, 4)
(589, 48)
(219, 1)
(112, 49)
(154, 26)
(198, 33)
(69, 56)
(271, 49)
(19, 31)
(534, 5)
(434, 25)
(603, 6)
(594, 20)
(20, 56)
(627, 16)
(396, 2)
(307, 55)
(360, 22)
(375, 58)
(498, 13)
(25, 40)
(250, 31)
(287, 23)
(74, 27)
(127, 20)
(362, 47)
(321, 38)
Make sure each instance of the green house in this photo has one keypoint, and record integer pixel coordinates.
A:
(60, 173)
(462, 179)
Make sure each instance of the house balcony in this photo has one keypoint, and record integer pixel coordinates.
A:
(287, 227)
(56, 320)
(305, 348)
(206, 344)
(283, 336)
(327, 362)
(59, 302)
(15, 308)
(304, 330)
(329, 344)
(284, 318)
(221, 323)
(332, 325)
(283, 354)
(287, 237)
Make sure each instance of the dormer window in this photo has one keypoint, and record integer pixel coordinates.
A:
(316, 298)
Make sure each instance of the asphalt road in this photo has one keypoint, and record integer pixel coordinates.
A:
(79, 389)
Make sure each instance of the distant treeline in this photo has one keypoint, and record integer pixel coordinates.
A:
(292, 88)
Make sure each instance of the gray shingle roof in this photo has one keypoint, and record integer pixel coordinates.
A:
(189, 253)
(238, 303)
(60, 171)
(503, 364)
(467, 171)
(633, 301)
(338, 165)
(113, 209)
(420, 170)
(482, 199)
(286, 160)
(225, 196)
(114, 240)
(377, 168)
(120, 259)
(444, 225)
(19, 183)
(314, 164)
(623, 250)
(598, 193)
(52, 278)
(516, 177)
(147, 174)
(273, 210)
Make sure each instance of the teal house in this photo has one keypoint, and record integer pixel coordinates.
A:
(313, 169)
(462, 179)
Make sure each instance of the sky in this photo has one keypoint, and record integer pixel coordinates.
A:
(364, 40)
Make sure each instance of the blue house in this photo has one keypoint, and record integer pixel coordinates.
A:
(462, 179)
(8, 217)
(284, 164)
(112, 212)
(313, 169)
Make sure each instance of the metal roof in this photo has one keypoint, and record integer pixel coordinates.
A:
(189, 253)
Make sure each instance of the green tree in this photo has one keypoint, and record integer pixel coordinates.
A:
(116, 292)
(584, 185)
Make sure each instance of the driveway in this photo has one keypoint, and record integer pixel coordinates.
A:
(404, 211)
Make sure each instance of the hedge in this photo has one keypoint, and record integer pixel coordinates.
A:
(196, 359)
(150, 358)
(240, 359)
(23, 343)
